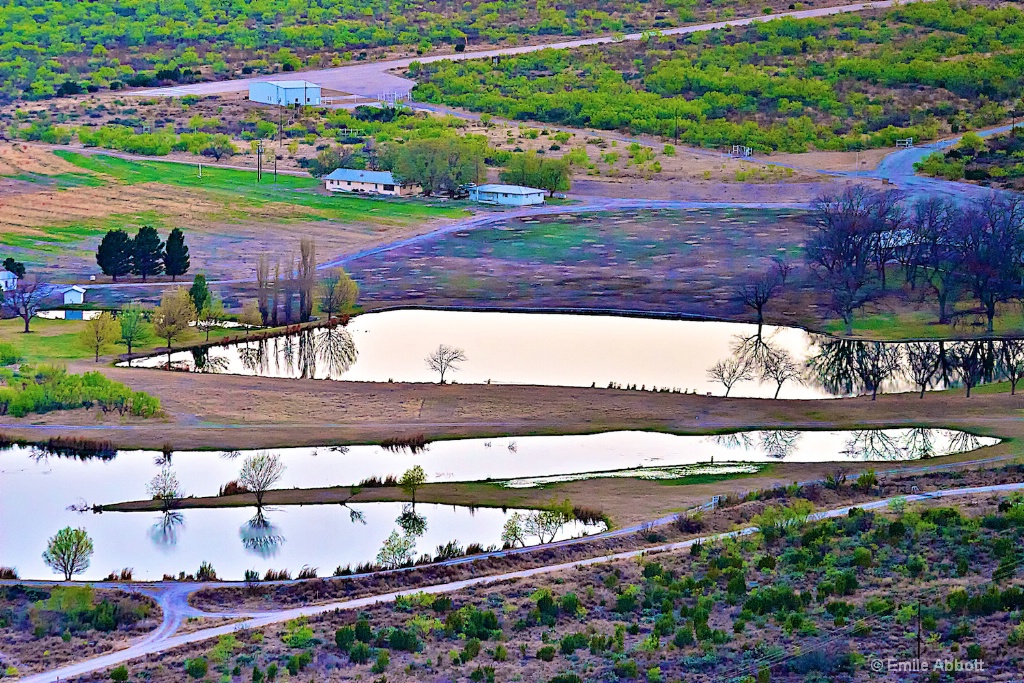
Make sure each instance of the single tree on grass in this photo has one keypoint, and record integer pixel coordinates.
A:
(412, 479)
(133, 326)
(99, 334)
(251, 316)
(259, 472)
(199, 291)
(165, 488)
(211, 315)
(26, 299)
(172, 318)
(176, 259)
(445, 358)
(764, 287)
(115, 253)
(730, 372)
(69, 552)
(147, 253)
(338, 292)
(779, 367)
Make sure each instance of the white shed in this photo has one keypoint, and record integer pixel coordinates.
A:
(285, 93)
(74, 295)
(506, 195)
(8, 280)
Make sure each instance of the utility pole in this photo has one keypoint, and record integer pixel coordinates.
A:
(259, 161)
(275, 168)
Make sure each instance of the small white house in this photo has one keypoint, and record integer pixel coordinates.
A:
(8, 280)
(368, 182)
(285, 93)
(506, 195)
(74, 295)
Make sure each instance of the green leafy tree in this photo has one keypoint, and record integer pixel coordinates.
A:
(100, 333)
(199, 292)
(134, 330)
(69, 552)
(396, 552)
(532, 170)
(212, 315)
(338, 292)
(147, 253)
(115, 253)
(176, 258)
(440, 165)
(173, 317)
(16, 267)
(412, 479)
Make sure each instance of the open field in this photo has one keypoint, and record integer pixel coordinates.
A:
(824, 596)
(56, 222)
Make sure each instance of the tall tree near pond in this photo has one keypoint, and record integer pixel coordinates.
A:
(133, 326)
(176, 257)
(933, 253)
(211, 315)
(115, 253)
(762, 288)
(411, 480)
(445, 359)
(199, 292)
(306, 278)
(172, 319)
(259, 472)
(730, 372)
(26, 299)
(147, 253)
(100, 333)
(69, 552)
(992, 244)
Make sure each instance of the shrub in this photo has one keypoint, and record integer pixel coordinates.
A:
(196, 668)
(382, 663)
(363, 632)
(119, 674)
(546, 653)
(626, 668)
(359, 653)
(400, 639)
(572, 642)
(470, 650)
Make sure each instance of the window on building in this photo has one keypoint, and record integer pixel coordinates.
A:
(389, 188)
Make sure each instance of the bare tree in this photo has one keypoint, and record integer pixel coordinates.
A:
(306, 277)
(969, 363)
(259, 472)
(1011, 362)
(729, 372)
(780, 368)
(165, 488)
(26, 299)
(922, 363)
(763, 288)
(992, 244)
(445, 358)
(263, 287)
(877, 363)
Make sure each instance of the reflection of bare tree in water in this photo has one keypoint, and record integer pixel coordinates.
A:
(919, 443)
(205, 363)
(306, 359)
(974, 362)
(412, 523)
(336, 350)
(877, 363)
(284, 351)
(254, 357)
(165, 530)
(834, 366)
(961, 442)
(875, 444)
(778, 443)
(744, 440)
(259, 536)
(923, 364)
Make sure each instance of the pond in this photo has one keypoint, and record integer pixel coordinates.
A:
(604, 351)
(40, 491)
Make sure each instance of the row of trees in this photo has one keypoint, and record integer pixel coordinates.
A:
(144, 255)
(289, 292)
(952, 251)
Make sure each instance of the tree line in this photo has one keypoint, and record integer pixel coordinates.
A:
(952, 253)
(145, 255)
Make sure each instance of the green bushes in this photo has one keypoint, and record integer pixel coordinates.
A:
(546, 653)
(47, 388)
(8, 354)
(196, 668)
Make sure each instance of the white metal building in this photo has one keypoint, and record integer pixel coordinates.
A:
(506, 195)
(74, 295)
(368, 182)
(8, 280)
(285, 93)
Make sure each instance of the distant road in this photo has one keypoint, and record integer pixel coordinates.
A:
(162, 639)
(373, 78)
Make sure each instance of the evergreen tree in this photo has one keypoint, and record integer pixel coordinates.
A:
(176, 260)
(148, 253)
(114, 255)
(16, 267)
(199, 292)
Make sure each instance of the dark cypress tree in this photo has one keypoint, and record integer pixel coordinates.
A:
(114, 255)
(148, 254)
(176, 260)
(199, 292)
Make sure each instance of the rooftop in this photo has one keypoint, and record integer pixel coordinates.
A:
(292, 84)
(356, 175)
(508, 189)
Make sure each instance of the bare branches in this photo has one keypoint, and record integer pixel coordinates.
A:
(259, 472)
(444, 359)
(26, 299)
(730, 372)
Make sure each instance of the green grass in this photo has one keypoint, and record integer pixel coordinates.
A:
(923, 325)
(59, 180)
(234, 184)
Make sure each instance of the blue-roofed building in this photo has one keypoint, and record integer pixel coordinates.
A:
(369, 182)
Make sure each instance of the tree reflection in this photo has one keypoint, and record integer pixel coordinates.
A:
(875, 444)
(260, 536)
(412, 523)
(336, 350)
(834, 366)
(778, 443)
(254, 357)
(165, 530)
(919, 443)
(960, 442)
(744, 440)
(206, 363)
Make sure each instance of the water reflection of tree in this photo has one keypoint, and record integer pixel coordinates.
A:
(336, 350)
(875, 444)
(778, 443)
(260, 536)
(961, 442)
(254, 357)
(411, 522)
(206, 363)
(848, 366)
(743, 440)
(919, 443)
(165, 530)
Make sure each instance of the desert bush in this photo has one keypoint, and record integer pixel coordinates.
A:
(196, 668)
(360, 653)
(546, 653)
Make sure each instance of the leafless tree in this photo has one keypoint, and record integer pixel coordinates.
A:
(1011, 362)
(165, 488)
(968, 363)
(762, 288)
(778, 443)
(730, 372)
(992, 244)
(306, 277)
(263, 287)
(445, 358)
(922, 363)
(877, 363)
(26, 299)
(259, 472)
(780, 368)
